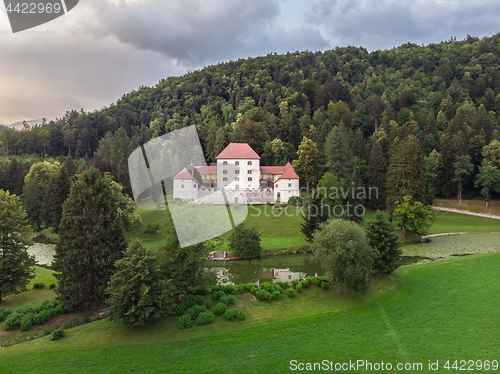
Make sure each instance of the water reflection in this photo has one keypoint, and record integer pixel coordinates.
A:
(280, 268)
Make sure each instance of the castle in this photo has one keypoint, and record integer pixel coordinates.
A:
(238, 173)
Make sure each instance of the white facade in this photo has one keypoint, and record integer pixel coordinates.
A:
(238, 174)
(186, 189)
(286, 188)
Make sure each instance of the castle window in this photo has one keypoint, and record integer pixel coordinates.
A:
(237, 163)
(276, 186)
(237, 178)
(237, 187)
(235, 199)
(224, 179)
(249, 179)
(182, 186)
(289, 185)
(194, 186)
(249, 163)
(236, 172)
(224, 163)
(249, 171)
(224, 171)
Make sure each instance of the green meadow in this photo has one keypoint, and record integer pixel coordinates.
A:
(444, 310)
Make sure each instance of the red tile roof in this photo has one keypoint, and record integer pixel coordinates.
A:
(272, 170)
(289, 173)
(204, 170)
(184, 174)
(238, 150)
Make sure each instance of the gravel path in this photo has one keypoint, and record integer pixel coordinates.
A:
(466, 212)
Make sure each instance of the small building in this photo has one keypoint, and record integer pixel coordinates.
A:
(185, 186)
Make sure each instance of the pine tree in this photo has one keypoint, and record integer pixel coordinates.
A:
(338, 152)
(317, 213)
(406, 172)
(91, 240)
(137, 294)
(15, 262)
(377, 167)
(358, 146)
(381, 237)
(355, 197)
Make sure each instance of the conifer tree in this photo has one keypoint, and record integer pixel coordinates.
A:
(338, 152)
(91, 240)
(463, 168)
(137, 294)
(377, 168)
(32, 200)
(381, 237)
(406, 172)
(358, 146)
(15, 262)
(317, 213)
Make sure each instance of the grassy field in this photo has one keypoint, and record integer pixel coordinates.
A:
(444, 310)
(476, 205)
(281, 229)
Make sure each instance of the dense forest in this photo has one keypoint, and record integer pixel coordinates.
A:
(435, 106)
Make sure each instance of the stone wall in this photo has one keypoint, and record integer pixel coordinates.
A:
(215, 196)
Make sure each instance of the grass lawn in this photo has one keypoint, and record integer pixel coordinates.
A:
(32, 296)
(476, 205)
(445, 310)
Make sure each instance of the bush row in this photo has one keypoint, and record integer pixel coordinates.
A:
(28, 316)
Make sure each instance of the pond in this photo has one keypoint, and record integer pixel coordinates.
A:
(282, 268)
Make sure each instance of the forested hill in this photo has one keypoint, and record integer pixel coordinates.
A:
(446, 94)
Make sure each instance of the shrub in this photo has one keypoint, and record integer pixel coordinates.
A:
(40, 285)
(324, 285)
(58, 333)
(230, 300)
(220, 309)
(295, 200)
(200, 300)
(13, 320)
(267, 286)
(217, 295)
(178, 309)
(254, 290)
(205, 318)
(299, 287)
(264, 295)
(185, 322)
(230, 289)
(240, 288)
(278, 288)
(241, 315)
(25, 310)
(195, 310)
(41, 317)
(26, 321)
(295, 282)
(249, 286)
(200, 290)
(208, 303)
(231, 314)
(276, 295)
(52, 286)
(306, 283)
(217, 287)
(290, 292)
(283, 285)
(223, 299)
(4, 313)
(189, 301)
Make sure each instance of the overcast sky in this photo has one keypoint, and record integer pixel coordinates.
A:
(103, 49)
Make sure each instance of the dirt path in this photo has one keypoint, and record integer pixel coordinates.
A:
(466, 212)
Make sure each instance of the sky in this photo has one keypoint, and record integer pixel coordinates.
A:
(102, 49)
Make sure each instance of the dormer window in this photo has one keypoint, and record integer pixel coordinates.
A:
(224, 163)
